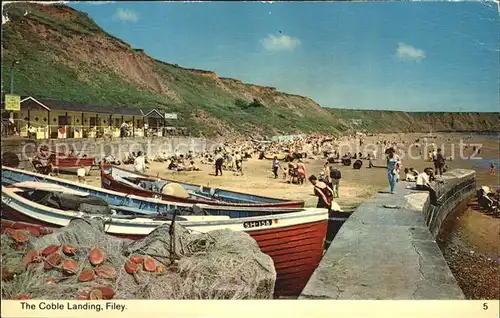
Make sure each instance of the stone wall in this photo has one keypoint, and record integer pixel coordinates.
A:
(387, 247)
(458, 186)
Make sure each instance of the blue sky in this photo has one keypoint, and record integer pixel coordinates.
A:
(420, 56)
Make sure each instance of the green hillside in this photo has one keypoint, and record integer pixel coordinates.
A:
(65, 55)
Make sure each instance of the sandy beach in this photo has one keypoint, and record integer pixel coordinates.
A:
(356, 185)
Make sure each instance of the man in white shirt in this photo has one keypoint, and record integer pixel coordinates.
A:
(423, 183)
(123, 129)
(140, 163)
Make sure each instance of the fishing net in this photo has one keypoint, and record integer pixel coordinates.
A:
(221, 264)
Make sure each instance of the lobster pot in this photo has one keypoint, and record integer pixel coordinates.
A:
(62, 132)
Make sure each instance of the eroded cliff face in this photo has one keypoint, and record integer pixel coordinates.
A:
(65, 55)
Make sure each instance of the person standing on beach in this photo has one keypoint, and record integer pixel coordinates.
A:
(301, 171)
(276, 167)
(335, 176)
(439, 162)
(492, 169)
(123, 129)
(323, 192)
(219, 161)
(393, 164)
(239, 162)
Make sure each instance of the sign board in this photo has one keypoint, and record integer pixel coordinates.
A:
(170, 116)
(12, 102)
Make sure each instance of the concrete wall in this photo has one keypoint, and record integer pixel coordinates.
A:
(459, 185)
(25, 148)
(387, 248)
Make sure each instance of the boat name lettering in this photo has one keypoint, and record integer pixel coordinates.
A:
(251, 224)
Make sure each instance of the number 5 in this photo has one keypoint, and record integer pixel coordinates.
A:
(485, 306)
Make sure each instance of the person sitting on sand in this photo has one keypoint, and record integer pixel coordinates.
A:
(192, 167)
(323, 192)
(80, 173)
(414, 172)
(140, 163)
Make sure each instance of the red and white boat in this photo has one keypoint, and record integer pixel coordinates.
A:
(68, 162)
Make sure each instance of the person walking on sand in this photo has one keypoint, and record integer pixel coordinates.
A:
(323, 192)
(492, 169)
(219, 161)
(393, 164)
(276, 167)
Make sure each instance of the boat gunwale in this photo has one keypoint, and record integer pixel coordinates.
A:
(278, 203)
(314, 212)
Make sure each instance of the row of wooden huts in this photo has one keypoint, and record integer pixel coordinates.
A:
(49, 119)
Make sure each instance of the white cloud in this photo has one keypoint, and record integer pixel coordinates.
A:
(97, 3)
(126, 15)
(280, 42)
(407, 52)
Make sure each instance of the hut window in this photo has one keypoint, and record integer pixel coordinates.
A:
(36, 119)
(54, 119)
(77, 120)
(85, 120)
(26, 118)
(104, 120)
(45, 119)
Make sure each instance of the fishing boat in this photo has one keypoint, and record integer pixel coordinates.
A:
(70, 163)
(67, 162)
(293, 237)
(121, 180)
